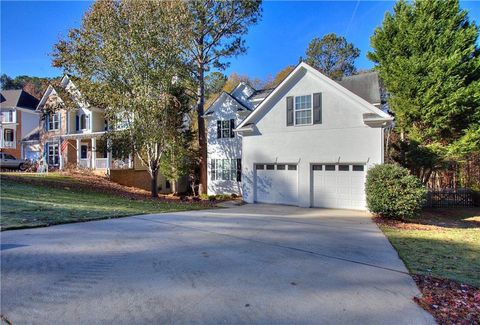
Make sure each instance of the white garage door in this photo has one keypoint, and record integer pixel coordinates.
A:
(340, 186)
(276, 183)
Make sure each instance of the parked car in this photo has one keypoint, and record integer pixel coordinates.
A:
(9, 161)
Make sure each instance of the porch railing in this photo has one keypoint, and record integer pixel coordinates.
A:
(101, 163)
(8, 144)
(84, 163)
(120, 164)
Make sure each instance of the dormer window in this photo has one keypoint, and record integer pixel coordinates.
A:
(225, 129)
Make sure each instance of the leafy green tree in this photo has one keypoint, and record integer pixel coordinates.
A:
(216, 33)
(127, 57)
(214, 83)
(427, 56)
(332, 55)
(177, 155)
(8, 83)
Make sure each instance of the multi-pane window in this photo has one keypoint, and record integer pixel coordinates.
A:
(226, 169)
(53, 154)
(225, 129)
(303, 110)
(54, 121)
(7, 116)
(8, 135)
(83, 122)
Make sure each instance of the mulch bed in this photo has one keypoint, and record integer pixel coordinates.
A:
(448, 301)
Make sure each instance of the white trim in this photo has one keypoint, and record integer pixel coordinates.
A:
(303, 109)
(324, 78)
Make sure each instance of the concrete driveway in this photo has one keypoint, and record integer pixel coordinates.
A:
(249, 264)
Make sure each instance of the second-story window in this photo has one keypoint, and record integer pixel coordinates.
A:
(225, 129)
(7, 116)
(83, 122)
(53, 122)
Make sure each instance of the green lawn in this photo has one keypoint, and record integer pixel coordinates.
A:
(32, 205)
(443, 244)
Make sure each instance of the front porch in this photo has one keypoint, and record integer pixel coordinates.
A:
(88, 151)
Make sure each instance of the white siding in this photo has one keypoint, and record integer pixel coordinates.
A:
(224, 148)
(30, 121)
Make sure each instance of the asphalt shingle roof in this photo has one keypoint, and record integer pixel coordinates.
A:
(365, 85)
(17, 98)
(262, 93)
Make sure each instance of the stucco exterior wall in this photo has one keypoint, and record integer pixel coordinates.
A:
(342, 137)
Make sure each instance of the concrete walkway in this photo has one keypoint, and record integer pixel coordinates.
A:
(248, 264)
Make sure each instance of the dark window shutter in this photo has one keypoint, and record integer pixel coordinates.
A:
(47, 119)
(232, 126)
(317, 108)
(77, 122)
(219, 129)
(239, 170)
(289, 111)
(213, 171)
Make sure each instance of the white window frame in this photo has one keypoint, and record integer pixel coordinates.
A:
(52, 120)
(53, 150)
(295, 110)
(8, 116)
(5, 133)
(225, 129)
(220, 172)
(84, 116)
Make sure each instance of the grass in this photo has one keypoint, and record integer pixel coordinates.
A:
(25, 205)
(440, 243)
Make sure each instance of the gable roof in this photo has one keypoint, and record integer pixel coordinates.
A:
(207, 112)
(260, 94)
(365, 85)
(17, 98)
(303, 66)
(33, 135)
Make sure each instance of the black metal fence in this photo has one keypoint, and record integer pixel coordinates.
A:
(450, 198)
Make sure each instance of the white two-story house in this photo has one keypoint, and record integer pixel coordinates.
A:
(224, 146)
(309, 142)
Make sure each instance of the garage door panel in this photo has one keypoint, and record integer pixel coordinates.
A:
(278, 186)
(338, 186)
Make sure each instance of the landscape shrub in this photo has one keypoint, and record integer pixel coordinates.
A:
(392, 192)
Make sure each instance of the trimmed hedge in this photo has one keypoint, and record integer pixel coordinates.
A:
(392, 192)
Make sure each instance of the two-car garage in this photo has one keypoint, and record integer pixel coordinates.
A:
(340, 186)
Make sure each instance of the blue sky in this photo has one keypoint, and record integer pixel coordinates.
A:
(29, 29)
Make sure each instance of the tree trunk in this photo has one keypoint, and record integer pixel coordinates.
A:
(153, 183)
(202, 141)
(174, 187)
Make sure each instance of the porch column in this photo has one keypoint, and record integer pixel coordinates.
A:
(60, 154)
(94, 152)
(78, 153)
(109, 156)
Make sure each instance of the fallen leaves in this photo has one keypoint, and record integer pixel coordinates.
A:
(448, 301)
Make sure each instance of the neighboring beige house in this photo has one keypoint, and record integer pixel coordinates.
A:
(18, 119)
(73, 138)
